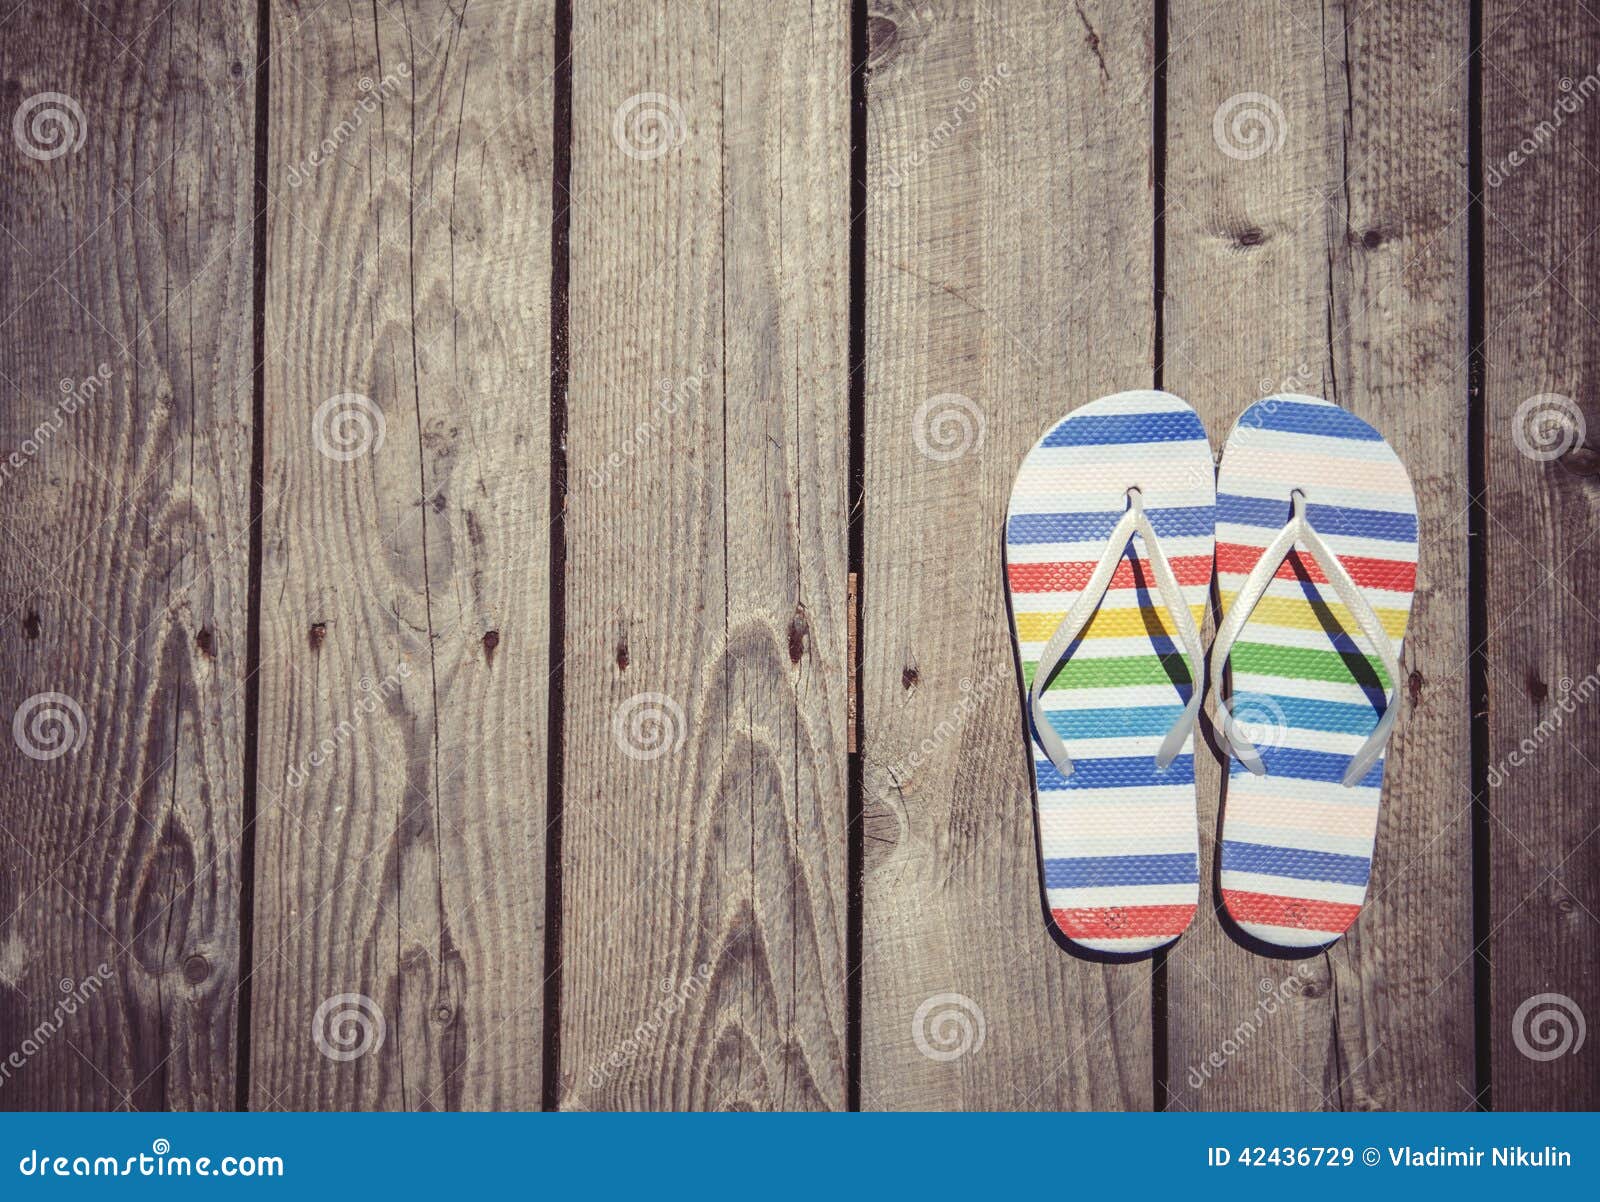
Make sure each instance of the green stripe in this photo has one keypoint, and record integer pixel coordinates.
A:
(1114, 672)
(1301, 663)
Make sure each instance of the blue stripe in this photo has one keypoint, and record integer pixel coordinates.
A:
(1294, 417)
(1116, 723)
(1305, 714)
(1081, 527)
(1295, 862)
(1091, 872)
(1295, 763)
(1095, 430)
(1328, 519)
(1123, 772)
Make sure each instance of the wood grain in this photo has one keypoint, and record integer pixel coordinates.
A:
(704, 840)
(1009, 278)
(1541, 267)
(124, 429)
(1015, 263)
(1327, 254)
(400, 855)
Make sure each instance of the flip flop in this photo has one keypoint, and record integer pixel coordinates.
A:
(1316, 563)
(1108, 565)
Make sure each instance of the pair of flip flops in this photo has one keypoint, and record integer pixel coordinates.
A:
(1117, 521)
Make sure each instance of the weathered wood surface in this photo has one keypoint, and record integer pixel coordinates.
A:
(125, 317)
(429, 615)
(1541, 352)
(1317, 232)
(400, 829)
(704, 821)
(1009, 278)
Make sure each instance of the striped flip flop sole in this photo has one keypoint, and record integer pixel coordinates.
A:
(1118, 837)
(1297, 843)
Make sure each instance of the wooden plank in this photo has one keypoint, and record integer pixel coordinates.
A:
(400, 854)
(1541, 144)
(704, 829)
(125, 293)
(1317, 242)
(1009, 279)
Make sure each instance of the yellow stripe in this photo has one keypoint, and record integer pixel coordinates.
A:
(1296, 613)
(1106, 623)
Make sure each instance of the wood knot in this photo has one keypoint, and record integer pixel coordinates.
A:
(622, 654)
(1091, 39)
(798, 628)
(1537, 689)
(491, 640)
(1414, 686)
(196, 969)
(1372, 239)
(317, 635)
(1249, 237)
(909, 677)
(882, 37)
(206, 642)
(30, 625)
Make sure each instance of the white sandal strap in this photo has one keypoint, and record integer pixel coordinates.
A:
(1299, 530)
(1075, 619)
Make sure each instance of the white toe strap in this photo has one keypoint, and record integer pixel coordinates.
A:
(1075, 619)
(1299, 530)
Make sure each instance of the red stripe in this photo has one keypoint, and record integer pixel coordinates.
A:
(1123, 922)
(1391, 575)
(1303, 913)
(1070, 576)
